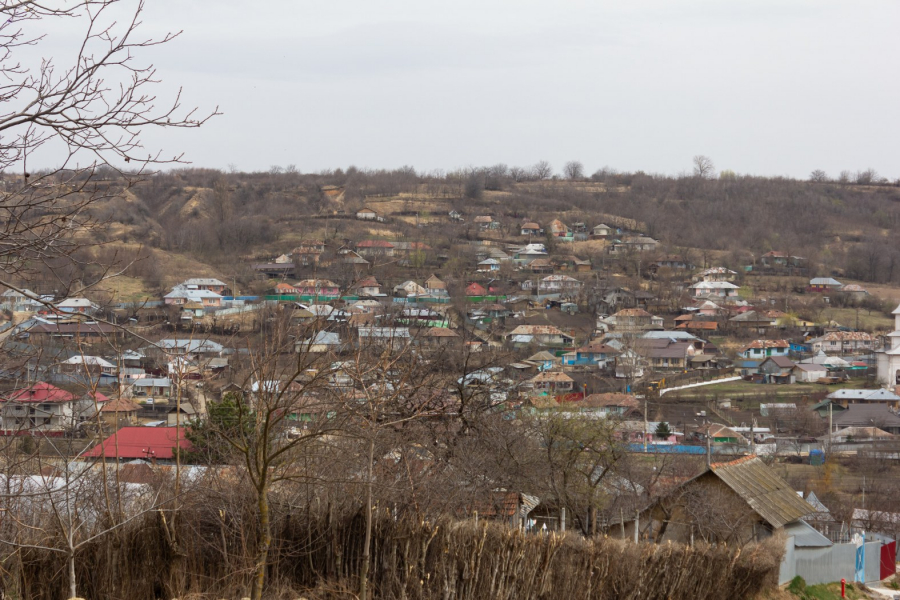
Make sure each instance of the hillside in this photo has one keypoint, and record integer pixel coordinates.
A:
(200, 222)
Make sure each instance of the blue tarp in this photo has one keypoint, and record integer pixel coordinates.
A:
(668, 448)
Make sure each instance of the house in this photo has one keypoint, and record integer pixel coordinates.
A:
(41, 408)
(559, 229)
(732, 502)
(392, 337)
(717, 289)
(367, 214)
(318, 288)
(630, 320)
(638, 432)
(76, 305)
(715, 274)
(485, 222)
(602, 231)
(440, 336)
(531, 228)
(824, 284)
(373, 248)
(540, 265)
(763, 348)
(754, 321)
(85, 370)
(145, 443)
(322, 341)
(843, 342)
(552, 383)
(181, 295)
(854, 291)
(543, 335)
(774, 258)
(529, 252)
(433, 284)
(845, 397)
(867, 415)
(367, 287)
(119, 413)
(594, 353)
(559, 284)
(572, 263)
(777, 369)
(410, 289)
(24, 301)
(543, 360)
(636, 243)
(488, 265)
(190, 347)
(209, 284)
(284, 289)
(809, 373)
(609, 404)
(665, 353)
(308, 252)
(151, 387)
(476, 289)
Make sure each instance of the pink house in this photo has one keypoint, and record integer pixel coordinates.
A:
(317, 287)
(635, 432)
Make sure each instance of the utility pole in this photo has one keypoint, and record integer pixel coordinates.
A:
(752, 437)
(645, 423)
(708, 446)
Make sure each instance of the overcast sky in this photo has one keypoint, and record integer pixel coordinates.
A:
(767, 87)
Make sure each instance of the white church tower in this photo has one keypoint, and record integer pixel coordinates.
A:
(889, 357)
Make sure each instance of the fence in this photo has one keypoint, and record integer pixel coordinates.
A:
(833, 563)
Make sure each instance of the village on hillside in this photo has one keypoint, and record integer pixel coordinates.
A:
(679, 354)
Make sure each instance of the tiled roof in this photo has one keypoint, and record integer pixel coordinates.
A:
(551, 377)
(762, 344)
(611, 399)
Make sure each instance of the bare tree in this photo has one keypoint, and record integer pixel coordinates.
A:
(542, 170)
(86, 110)
(704, 167)
(818, 176)
(573, 170)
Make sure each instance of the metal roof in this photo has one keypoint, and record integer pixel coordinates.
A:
(763, 489)
(805, 536)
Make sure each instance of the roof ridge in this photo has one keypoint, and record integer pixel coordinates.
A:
(730, 463)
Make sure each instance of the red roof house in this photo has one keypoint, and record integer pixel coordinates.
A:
(475, 289)
(41, 392)
(140, 442)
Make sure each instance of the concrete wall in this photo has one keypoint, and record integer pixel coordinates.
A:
(827, 565)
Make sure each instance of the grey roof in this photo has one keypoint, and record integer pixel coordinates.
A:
(673, 335)
(867, 415)
(805, 536)
(763, 489)
(781, 361)
(326, 338)
(824, 281)
(190, 345)
(879, 395)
